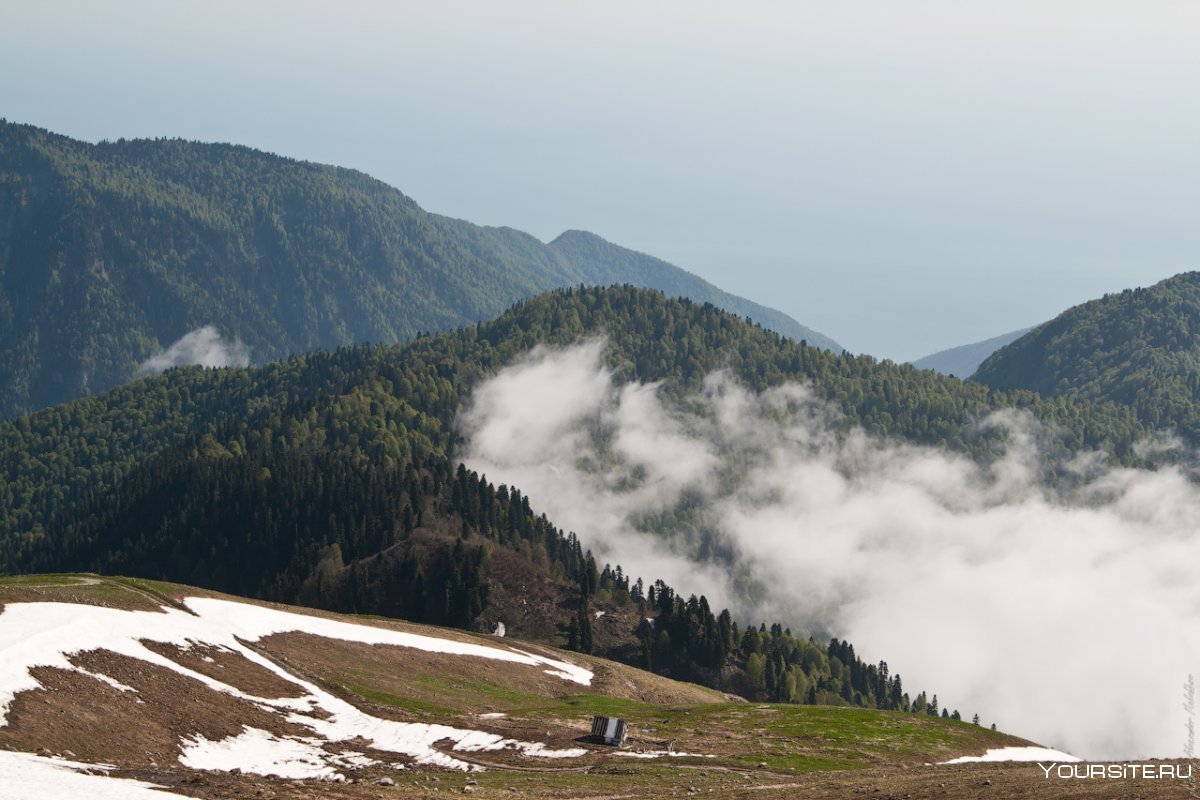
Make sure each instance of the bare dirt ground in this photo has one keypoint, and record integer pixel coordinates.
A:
(958, 782)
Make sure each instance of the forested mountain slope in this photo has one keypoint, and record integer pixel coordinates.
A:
(111, 252)
(387, 404)
(330, 479)
(1139, 347)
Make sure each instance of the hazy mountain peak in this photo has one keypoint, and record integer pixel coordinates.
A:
(607, 263)
(962, 361)
(156, 238)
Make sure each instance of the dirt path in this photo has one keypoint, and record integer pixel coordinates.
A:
(148, 594)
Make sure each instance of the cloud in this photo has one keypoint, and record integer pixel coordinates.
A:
(1068, 614)
(203, 347)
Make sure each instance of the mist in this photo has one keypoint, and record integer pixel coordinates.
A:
(1068, 615)
(203, 347)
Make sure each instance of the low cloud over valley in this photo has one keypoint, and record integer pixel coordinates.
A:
(1067, 614)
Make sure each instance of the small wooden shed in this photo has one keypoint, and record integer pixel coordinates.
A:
(609, 730)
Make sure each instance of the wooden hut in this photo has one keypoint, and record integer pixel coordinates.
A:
(609, 730)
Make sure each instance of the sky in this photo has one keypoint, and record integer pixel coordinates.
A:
(903, 177)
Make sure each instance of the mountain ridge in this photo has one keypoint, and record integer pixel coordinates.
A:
(1138, 347)
(584, 247)
(112, 251)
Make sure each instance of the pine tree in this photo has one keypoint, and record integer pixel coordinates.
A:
(756, 671)
(585, 629)
(573, 634)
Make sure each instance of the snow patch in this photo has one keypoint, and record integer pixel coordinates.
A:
(114, 683)
(1017, 754)
(539, 750)
(660, 754)
(564, 669)
(263, 753)
(46, 634)
(252, 623)
(27, 775)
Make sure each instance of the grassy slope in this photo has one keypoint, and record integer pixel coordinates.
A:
(771, 741)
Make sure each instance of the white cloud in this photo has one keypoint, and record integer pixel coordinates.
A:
(1068, 615)
(203, 347)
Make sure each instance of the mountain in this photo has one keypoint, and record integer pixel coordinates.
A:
(325, 480)
(963, 360)
(111, 252)
(608, 263)
(330, 479)
(390, 404)
(1139, 347)
(119, 685)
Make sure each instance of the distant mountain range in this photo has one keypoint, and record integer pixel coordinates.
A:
(962, 361)
(111, 252)
(1139, 347)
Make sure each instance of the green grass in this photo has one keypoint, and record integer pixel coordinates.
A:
(479, 693)
(63, 588)
(788, 738)
(799, 763)
(48, 579)
(161, 588)
(410, 704)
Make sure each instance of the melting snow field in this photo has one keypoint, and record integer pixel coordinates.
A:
(26, 775)
(287, 757)
(47, 634)
(1017, 754)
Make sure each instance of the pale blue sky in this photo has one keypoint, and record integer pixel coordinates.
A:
(903, 176)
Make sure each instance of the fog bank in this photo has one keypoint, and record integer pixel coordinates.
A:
(202, 347)
(1069, 616)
